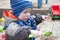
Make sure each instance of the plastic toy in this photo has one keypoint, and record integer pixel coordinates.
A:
(1, 29)
(31, 36)
(55, 12)
(56, 17)
(2, 19)
(48, 33)
(3, 36)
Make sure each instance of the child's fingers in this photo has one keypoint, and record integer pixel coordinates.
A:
(36, 33)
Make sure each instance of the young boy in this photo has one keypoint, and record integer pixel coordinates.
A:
(21, 9)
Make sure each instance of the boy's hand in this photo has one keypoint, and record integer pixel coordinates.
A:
(45, 17)
(36, 33)
(38, 27)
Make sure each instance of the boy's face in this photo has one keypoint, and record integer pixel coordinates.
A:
(25, 14)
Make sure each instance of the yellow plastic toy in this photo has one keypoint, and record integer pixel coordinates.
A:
(2, 19)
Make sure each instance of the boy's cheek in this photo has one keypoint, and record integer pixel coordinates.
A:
(20, 17)
(24, 16)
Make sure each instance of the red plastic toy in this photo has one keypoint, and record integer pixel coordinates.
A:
(55, 10)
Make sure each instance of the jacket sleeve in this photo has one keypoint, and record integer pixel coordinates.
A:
(6, 24)
(33, 24)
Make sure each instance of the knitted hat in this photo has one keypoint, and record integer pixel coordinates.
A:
(19, 5)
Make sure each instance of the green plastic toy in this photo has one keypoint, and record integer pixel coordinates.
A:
(1, 29)
(31, 36)
(48, 33)
(56, 17)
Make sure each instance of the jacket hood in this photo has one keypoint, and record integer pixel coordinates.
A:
(8, 15)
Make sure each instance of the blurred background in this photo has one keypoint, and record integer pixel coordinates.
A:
(43, 4)
(39, 6)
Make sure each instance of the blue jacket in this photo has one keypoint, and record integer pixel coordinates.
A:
(30, 23)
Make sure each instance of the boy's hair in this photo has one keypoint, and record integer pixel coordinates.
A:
(19, 5)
